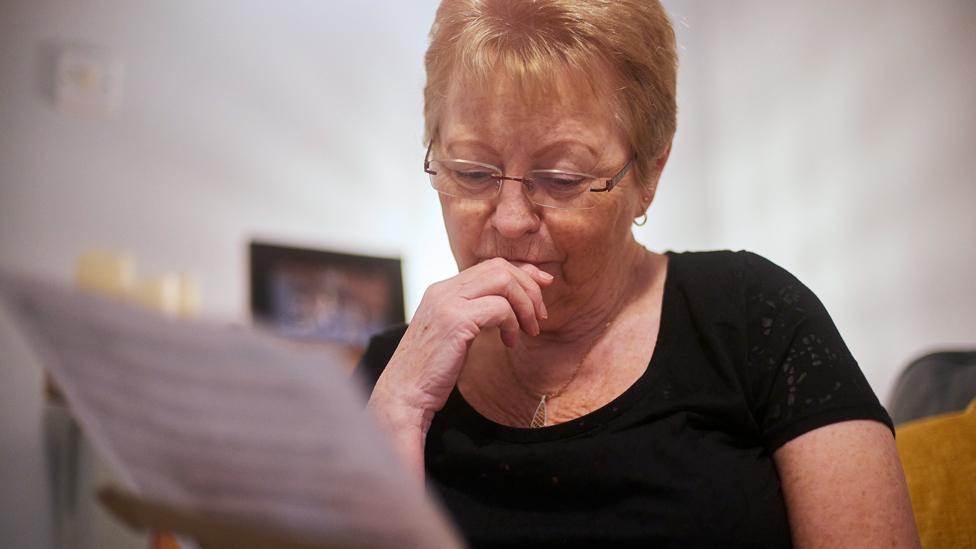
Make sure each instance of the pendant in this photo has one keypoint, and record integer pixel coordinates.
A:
(541, 415)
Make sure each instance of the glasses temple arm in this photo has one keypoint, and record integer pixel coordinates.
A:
(612, 182)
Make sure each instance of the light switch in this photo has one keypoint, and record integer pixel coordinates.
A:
(88, 82)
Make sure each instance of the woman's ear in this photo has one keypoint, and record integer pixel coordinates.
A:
(662, 160)
(649, 189)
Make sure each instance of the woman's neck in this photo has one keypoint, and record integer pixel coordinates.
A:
(544, 363)
(506, 384)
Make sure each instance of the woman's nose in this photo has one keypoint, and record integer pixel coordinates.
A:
(515, 215)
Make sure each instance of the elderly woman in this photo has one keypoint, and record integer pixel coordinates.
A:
(568, 387)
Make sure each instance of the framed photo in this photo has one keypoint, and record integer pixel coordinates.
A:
(315, 295)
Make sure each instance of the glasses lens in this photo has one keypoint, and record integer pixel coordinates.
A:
(464, 179)
(560, 189)
(550, 188)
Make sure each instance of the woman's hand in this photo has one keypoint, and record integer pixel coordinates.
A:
(425, 367)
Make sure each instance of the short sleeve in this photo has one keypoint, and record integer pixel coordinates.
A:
(802, 374)
(378, 353)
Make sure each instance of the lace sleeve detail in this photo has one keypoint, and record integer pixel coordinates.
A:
(803, 375)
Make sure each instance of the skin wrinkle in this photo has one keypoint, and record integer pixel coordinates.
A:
(591, 253)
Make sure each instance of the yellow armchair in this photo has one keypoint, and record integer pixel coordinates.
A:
(938, 454)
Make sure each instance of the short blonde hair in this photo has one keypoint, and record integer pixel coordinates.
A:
(631, 41)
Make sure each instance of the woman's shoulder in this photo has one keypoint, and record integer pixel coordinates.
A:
(733, 278)
(795, 369)
(738, 264)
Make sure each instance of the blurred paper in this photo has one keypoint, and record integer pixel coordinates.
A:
(225, 422)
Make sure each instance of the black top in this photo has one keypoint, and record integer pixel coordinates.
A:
(746, 359)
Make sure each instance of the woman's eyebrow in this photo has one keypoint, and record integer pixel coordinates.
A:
(564, 146)
(568, 147)
(469, 147)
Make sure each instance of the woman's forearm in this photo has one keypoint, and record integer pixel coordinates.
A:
(406, 426)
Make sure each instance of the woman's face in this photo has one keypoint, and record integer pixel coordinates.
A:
(589, 252)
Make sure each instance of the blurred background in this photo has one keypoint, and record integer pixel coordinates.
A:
(835, 138)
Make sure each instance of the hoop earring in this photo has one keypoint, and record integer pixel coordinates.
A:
(640, 221)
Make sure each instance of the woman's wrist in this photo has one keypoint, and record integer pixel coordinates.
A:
(405, 424)
(396, 411)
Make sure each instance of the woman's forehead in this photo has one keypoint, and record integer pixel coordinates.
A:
(506, 107)
(563, 87)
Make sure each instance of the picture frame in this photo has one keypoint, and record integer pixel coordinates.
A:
(317, 295)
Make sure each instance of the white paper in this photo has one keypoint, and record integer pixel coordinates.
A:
(225, 421)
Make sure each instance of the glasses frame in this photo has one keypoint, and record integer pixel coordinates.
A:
(500, 177)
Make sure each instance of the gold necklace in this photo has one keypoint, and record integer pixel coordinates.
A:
(540, 418)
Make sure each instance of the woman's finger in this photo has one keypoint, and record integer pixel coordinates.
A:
(485, 278)
(501, 282)
(495, 311)
(542, 279)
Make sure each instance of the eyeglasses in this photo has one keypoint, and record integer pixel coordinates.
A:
(550, 188)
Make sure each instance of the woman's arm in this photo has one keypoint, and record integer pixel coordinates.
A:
(426, 364)
(844, 487)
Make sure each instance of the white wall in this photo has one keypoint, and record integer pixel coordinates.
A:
(836, 137)
(833, 137)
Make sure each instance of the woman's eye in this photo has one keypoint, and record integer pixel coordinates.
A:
(473, 176)
(561, 181)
